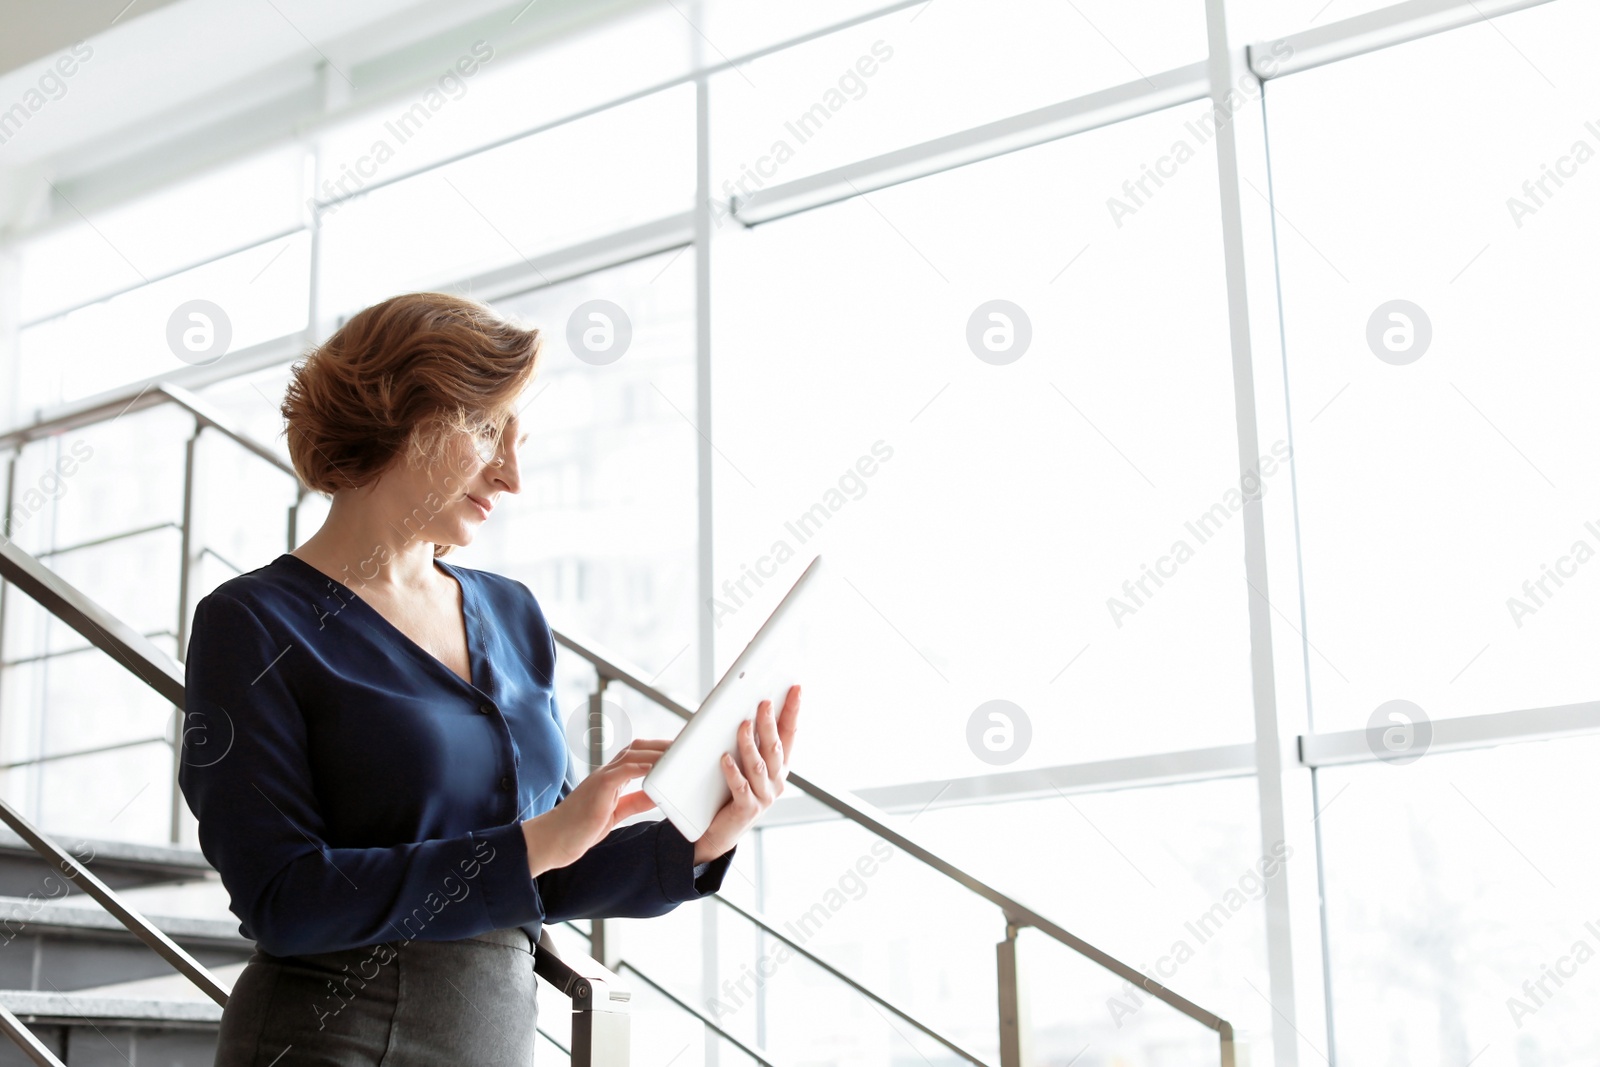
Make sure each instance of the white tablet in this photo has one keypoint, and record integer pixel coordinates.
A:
(687, 782)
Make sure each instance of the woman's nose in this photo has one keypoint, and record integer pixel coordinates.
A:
(505, 471)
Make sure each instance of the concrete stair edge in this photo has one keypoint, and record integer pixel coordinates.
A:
(128, 853)
(33, 916)
(73, 1008)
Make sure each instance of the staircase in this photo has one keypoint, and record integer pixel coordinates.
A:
(89, 990)
(80, 984)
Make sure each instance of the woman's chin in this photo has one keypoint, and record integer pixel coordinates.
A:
(460, 537)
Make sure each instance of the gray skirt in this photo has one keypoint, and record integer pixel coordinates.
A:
(396, 1004)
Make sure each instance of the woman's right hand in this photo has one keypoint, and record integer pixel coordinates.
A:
(592, 810)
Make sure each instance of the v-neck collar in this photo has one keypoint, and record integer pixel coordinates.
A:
(469, 614)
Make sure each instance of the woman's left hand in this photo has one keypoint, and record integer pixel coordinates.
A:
(765, 750)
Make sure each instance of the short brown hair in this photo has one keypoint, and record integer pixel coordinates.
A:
(396, 380)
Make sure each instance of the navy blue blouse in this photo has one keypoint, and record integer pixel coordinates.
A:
(351, 789)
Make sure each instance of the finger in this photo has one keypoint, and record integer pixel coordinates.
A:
(755, 767)
(638, 745)
(789, 720)
(635, 757)
(777, 758)
(744, 801)
(767, 738)
(633, 803)
(623, 772)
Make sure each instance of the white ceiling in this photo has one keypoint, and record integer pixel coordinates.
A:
(176, 86)
(227, 71)
(38, 28)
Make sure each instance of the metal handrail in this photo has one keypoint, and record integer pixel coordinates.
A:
(25, 1040)
(727, 1035)
(104, 630)
(150, 665)
(121, 535)
(53, 757)
(1016, 913)
(102, 407)
(23, 661)
(220, 558)
(103, 894)
(208, 414)
(137, 397)
(609, 668)
(600, 1001)
(756, 918)
(147, 395)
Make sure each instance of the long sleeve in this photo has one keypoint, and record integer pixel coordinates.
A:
(247, 777)
(640, 870)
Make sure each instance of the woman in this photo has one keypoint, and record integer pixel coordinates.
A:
(372, 745)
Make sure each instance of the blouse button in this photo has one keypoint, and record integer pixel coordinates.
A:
(486, 708)
(505, 783)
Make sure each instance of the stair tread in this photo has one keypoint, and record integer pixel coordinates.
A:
(164, 987)
(91, 1004)
(123, 852)
(26, 913)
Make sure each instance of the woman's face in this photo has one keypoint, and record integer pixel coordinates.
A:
(446, 501)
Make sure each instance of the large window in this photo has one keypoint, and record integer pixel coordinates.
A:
(1461, 920)
(1444, 489)
(1442, 383)
(511, 204)
(934, 374)
(231, 304)
(926, 72)
(604, 528)
(995, 372)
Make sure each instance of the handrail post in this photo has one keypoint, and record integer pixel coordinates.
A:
(600, 1021)
(600, 1031)
(187, 539)
(1230, 1050)
(595, 736)
(185, 566)
(1015, 1032)
(5, 535)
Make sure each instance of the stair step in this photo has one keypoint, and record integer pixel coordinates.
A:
(120, 864)
(54, 946)
(90, 1030)
(21, 915)
(69, 1009)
